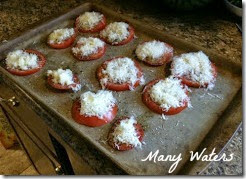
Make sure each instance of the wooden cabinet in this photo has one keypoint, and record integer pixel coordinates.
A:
(47, 152)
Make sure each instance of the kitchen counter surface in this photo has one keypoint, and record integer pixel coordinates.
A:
(216, 31)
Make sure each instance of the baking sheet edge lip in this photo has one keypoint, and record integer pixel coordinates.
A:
(27, 91)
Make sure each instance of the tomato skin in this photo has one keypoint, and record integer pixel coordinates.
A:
(156, 107)
(41, 64)
(166, 58)
(95, 56)
(63, 87)
(123, 146)
(100, 26)
(92, 121)
(123, 42)
(65, 44)
(114, 86)
(196, 84)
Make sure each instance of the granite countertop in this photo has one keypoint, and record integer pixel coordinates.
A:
(216, 30)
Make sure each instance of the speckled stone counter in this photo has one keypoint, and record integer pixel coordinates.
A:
(215, 30)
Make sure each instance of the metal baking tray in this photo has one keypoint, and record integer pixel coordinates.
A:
(177, 134)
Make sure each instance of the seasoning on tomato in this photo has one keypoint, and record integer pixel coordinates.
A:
(24, 62)
(63, 80)
(195, 70)
(62, 38)
(89, 48)
(95, 109)
(154, 53)
(117, 33)
(120, 74)
(126, 134)
(90, 22)
(166, 96)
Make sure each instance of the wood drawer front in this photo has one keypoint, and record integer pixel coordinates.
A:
(41, 162)
(29, 117)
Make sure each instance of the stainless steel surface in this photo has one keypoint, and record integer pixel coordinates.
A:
(179, 134)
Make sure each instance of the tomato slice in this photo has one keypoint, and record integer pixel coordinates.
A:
(100, 52)
(41, 64)
(124, 146)
(165, 58)
(101, 25)
(117, 86)
(63, 87)
(66, 43)
(125, 41)
(196, 84)
(92, 121)
(152, 105)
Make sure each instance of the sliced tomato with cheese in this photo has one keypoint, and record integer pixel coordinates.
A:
(123, 146)
(195, 84)
(41, 63)
(129, 38)
(98, 27)
(118, 86)
(63, 87)
(94, 56)
(92, 121)
(64, 44)
(152, 105)
(165, 58)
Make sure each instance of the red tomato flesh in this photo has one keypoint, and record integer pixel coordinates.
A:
(156, 107)
(101, 25)
(92, 121)
(63, 87)
(100, 52)
(66, 43)
(196, 84)
(125, 41)
(41, 64)
(165, 58)
(124, 146)
(116, 86)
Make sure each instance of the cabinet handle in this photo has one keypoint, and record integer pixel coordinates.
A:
(13, 101)
(59, 170)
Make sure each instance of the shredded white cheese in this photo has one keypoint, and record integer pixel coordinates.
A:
(195, 66)
(121, 70)
(115, 32)
(63, 77)
(169, 93)
(87, 46)
(21, 60)
(89, 20)
(96, 104)
(59, 35)
(152, 50)
(125, 133)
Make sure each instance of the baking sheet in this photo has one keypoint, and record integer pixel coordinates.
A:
(177, 134)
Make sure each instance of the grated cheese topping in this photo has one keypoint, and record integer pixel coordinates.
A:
(63, 77)
(59, 35)
(125, 133)
(115, 32)
(169, 93)
(196, 66)
(89, 20)
(96, 104)
(21, 60)
(152, 50)
(87, 46)
(121, 70)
